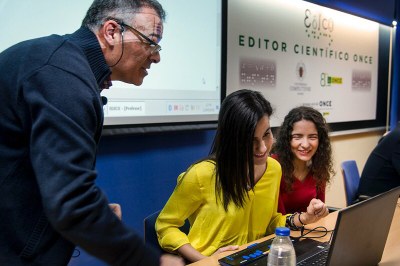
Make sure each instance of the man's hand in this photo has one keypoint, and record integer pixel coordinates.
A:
(116, 209)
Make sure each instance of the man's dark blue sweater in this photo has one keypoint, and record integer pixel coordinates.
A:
(51, 116)
(382, 169)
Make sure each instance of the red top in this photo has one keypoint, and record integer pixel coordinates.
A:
(300, 196)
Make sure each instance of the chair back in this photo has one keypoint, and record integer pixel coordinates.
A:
(351, 179)
(150, 234)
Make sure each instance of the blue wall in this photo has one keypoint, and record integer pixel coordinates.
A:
(394, 108)
(140, 171)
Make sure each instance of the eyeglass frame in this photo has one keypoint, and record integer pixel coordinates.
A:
(156, 46)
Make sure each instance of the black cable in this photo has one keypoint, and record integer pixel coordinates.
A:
(319, 229)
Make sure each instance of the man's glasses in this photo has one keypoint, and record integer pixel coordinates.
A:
(153, 45)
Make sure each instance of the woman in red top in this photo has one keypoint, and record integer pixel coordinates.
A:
(304, 151)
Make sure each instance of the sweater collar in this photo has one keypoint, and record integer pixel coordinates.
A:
(87, 40)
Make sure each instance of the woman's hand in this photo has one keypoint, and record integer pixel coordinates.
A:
(170, 260)
(227, 248)
(315, 211)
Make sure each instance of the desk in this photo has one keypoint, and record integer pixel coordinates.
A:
(391, 254)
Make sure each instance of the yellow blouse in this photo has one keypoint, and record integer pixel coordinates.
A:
(210, 226)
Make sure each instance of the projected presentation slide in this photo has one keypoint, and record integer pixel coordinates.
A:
(184, 87)
(298, 53)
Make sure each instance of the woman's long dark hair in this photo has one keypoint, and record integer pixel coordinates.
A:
(232, 149)
(322, 165)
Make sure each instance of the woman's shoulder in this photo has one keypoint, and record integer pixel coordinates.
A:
(273, 166)
(201, 170)
(273, 161)
(205, 165)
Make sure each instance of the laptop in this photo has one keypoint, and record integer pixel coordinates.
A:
(359, 237)
(361, 231)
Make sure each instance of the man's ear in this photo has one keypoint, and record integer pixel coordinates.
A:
(112, 32)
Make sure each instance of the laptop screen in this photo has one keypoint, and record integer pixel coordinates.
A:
(361, 230)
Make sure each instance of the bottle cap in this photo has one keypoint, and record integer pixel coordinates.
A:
(282, 231)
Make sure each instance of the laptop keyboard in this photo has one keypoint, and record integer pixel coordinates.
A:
(319, 258)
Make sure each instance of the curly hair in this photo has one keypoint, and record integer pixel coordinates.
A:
(322, 165)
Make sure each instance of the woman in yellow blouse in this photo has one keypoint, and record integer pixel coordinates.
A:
(231, 197)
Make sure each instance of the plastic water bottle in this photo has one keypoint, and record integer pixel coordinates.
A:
(282, 251)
